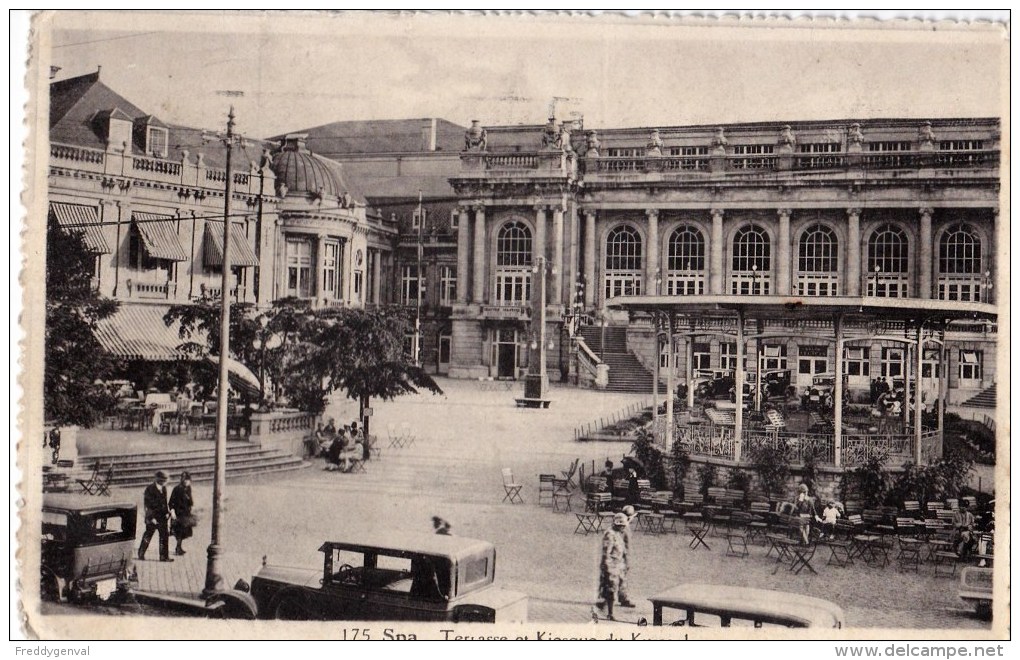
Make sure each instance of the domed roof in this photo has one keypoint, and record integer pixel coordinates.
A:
(304, 172)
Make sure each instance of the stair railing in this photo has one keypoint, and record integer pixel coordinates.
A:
(586, 358)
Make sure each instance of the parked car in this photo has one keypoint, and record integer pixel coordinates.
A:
(760, 606)
(87, 547)
(712, 384)
(409, 577)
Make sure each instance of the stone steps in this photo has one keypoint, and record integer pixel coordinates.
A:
(983, 399)
(242, 460)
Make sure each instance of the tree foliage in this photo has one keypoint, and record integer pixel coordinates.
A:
(870, 482)
(74, 358)
(772, 463)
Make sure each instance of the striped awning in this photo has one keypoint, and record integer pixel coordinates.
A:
(241, 253)
(138, 332)
(159, 236)
(83, 219)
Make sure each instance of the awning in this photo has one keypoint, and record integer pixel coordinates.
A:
(137, 332)
(83, 219)
(159, 235)
(240, 377)
(241, 253)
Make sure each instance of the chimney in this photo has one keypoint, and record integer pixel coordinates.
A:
(53, 71)
(428, 135)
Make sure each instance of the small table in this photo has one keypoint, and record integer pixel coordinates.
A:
(803, 554)
(869, 547)
(910, 552)
(588, 523)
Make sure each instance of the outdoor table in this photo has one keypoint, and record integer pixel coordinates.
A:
(840, 552)
(669, 519)
(587, 523)
(784, 551)
(758, 605)
(777, 542)
(869, 547)
(803, 553)
(938, 545)
(910, 552)
(652, 522)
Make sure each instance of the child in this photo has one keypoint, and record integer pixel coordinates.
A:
(828, 519)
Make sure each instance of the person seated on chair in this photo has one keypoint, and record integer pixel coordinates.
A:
(963, 523)
(607, 471)
(330, 429)
(352, 452)
(828, 519)
(334, 453)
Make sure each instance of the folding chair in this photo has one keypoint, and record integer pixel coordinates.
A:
(407, 434)
(396, 440)
(569, 473)
(561, 495)
(546, 488)
(736, 534)
(512, 488)
(839, 552)
(98, 482)
(802, 556)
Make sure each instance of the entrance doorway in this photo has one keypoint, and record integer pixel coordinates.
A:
(504, 352)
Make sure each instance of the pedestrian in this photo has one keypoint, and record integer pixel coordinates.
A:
(157, 517)
(612, 564)
(441, 526)
(804, 509)
(181, 504)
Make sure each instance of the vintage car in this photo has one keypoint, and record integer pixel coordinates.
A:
(87, 547)
(409, 577)
(710, 384)
(758, 606)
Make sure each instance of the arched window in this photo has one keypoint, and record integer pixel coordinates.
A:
(752, 262)
(513, 264)
(888, 265)
(818, 262)
(623, 262)
(513, 245)
(960, 265)
(685, 263)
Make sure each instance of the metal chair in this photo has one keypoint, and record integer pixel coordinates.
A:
(511, 487)
(546, 488)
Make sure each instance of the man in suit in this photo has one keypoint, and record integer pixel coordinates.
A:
(157, 517)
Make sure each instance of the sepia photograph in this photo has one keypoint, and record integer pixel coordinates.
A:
(437, 325)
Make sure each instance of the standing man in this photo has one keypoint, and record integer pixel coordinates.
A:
(612, 563)
(157, 517)
(631, 514)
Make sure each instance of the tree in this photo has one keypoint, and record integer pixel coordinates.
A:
(772, 463)
(74, 358)
(359, 352)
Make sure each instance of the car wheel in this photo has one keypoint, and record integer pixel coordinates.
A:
(49, 586)
(293, 606)
(232, 605)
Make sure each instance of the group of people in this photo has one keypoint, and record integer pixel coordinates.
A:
(166, 517)
(341, 447)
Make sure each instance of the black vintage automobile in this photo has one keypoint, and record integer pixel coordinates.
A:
(87, 547)
(399, 577)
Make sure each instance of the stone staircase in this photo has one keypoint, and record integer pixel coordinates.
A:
(626, 373)
(983, 399)
(243, 459)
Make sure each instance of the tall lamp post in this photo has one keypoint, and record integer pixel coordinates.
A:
(264, 342)
(536, 382)
(214, 582)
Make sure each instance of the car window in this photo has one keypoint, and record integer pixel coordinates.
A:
(345, 567)
(108, 525)
(54, 525)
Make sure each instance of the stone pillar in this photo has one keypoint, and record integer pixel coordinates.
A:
(589, 258)
(538, 245)
(478, 279)
(572, 272)
(784, 266)
(557, 257)
(320, 267)
(377, 277)
(716, 272)
(463, 256)
(924, 262)
(853, 252)
(653, 259)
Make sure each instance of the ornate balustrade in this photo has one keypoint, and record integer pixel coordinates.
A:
(511, 162)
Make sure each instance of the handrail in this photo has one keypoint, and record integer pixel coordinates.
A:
(584, 349)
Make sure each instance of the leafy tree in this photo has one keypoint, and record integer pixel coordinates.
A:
(870, 481)
(706, 477)
(74, 358)
(359, 352)
(645, 451)
(680, 465)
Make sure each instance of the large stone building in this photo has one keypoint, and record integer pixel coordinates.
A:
(149, 198)
(849, 210)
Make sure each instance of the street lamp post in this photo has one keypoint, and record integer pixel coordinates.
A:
(536, 382)
(877, 272)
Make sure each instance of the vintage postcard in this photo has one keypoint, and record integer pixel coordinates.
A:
(431, 325)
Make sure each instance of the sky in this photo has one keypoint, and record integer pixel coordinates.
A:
(299, 71)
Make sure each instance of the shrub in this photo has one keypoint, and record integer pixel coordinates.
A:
(869, 481)
(706, 477)
(645, 451)
(680, 465)
(772, 464)
(740, 480)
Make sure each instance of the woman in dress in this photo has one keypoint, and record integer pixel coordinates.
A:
(181, 504)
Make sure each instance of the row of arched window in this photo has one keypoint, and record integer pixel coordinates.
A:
(817, 260)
